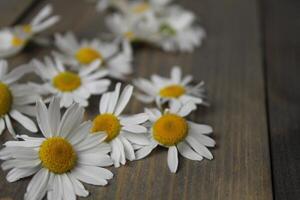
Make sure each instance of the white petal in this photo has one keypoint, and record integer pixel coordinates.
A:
(54, 115)
(175, 106)
(103, 107)
(124, 99)
(9, 126)
(134, 119)
(176, 74)
(186, 151)
(134, 128)
(187, 108)
(68, 190)
(37, 187)
(173, 159)
(42, 118)
(140, 139)
(199, 148)
(153, 114)
(95, 159)
(92, 175)
(2, 125)
(203, 139)
(18, 163)
(17, 73)
(129, 151)
(200, 128)
(91, 141)
(71, 119)
(114, 99)
(117, 150)
(78, 187)
(66, 100)
(23, 120)
(144, 151)
(16, 174)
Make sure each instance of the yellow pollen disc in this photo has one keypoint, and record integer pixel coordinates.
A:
(57, 155)
(27, 28)
(140, 8)
(16, 41)
(172, 91)
(6, 99)
(87, 55)
(170, 129)
(66, 81)
(108, 123)
(129, 35)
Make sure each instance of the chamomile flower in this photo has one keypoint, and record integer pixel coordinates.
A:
(58, 161)
(14, 39)
(162, 90)
(82, 53)
(122, 131)
(177, 31)
(130, 29)
(171, 130)
(71, 86)
(15, 99)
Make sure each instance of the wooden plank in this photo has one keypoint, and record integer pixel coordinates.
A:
(282, 50)
(231, 64)
(11, 10)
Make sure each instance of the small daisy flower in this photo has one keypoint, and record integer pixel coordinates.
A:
(177, 31)
(171, 130)
(68, 85)
(14, 39)
(82, 53)
(15, 99)
(162, 90)
(122, 131)
(66, 155)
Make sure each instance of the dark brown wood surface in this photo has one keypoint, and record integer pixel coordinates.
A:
(282, 51)
(233, 63)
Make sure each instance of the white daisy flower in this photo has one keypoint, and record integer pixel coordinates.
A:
(171, 130)
(162, 90)
(81, 53)
(68, 85)
(122, 131)
(15, 99)
(178, 32)
(66, 155)
(14, 39)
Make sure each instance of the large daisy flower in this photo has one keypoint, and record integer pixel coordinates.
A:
(14, 39)
(66, 155)
(15, 99)
(71, 86)
(122, 131)
(162, 90)
(171, 130)
(81, 53)
(178, 32)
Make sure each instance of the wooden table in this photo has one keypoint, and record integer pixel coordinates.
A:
(250, 63)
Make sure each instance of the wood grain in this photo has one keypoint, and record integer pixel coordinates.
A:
(230, 62)
(282, 50)
(11, 10)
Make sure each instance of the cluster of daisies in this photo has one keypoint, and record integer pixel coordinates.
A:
(71, 149)
(157, 22)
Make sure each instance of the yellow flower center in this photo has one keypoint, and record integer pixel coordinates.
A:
(27, 28)
(57, 155)
(172, 91)
(170, 129)
(108, 123)
(140, 8)
(87, 55)
(6, 99)
(66, 81)
(16, 41)
(129, 35)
